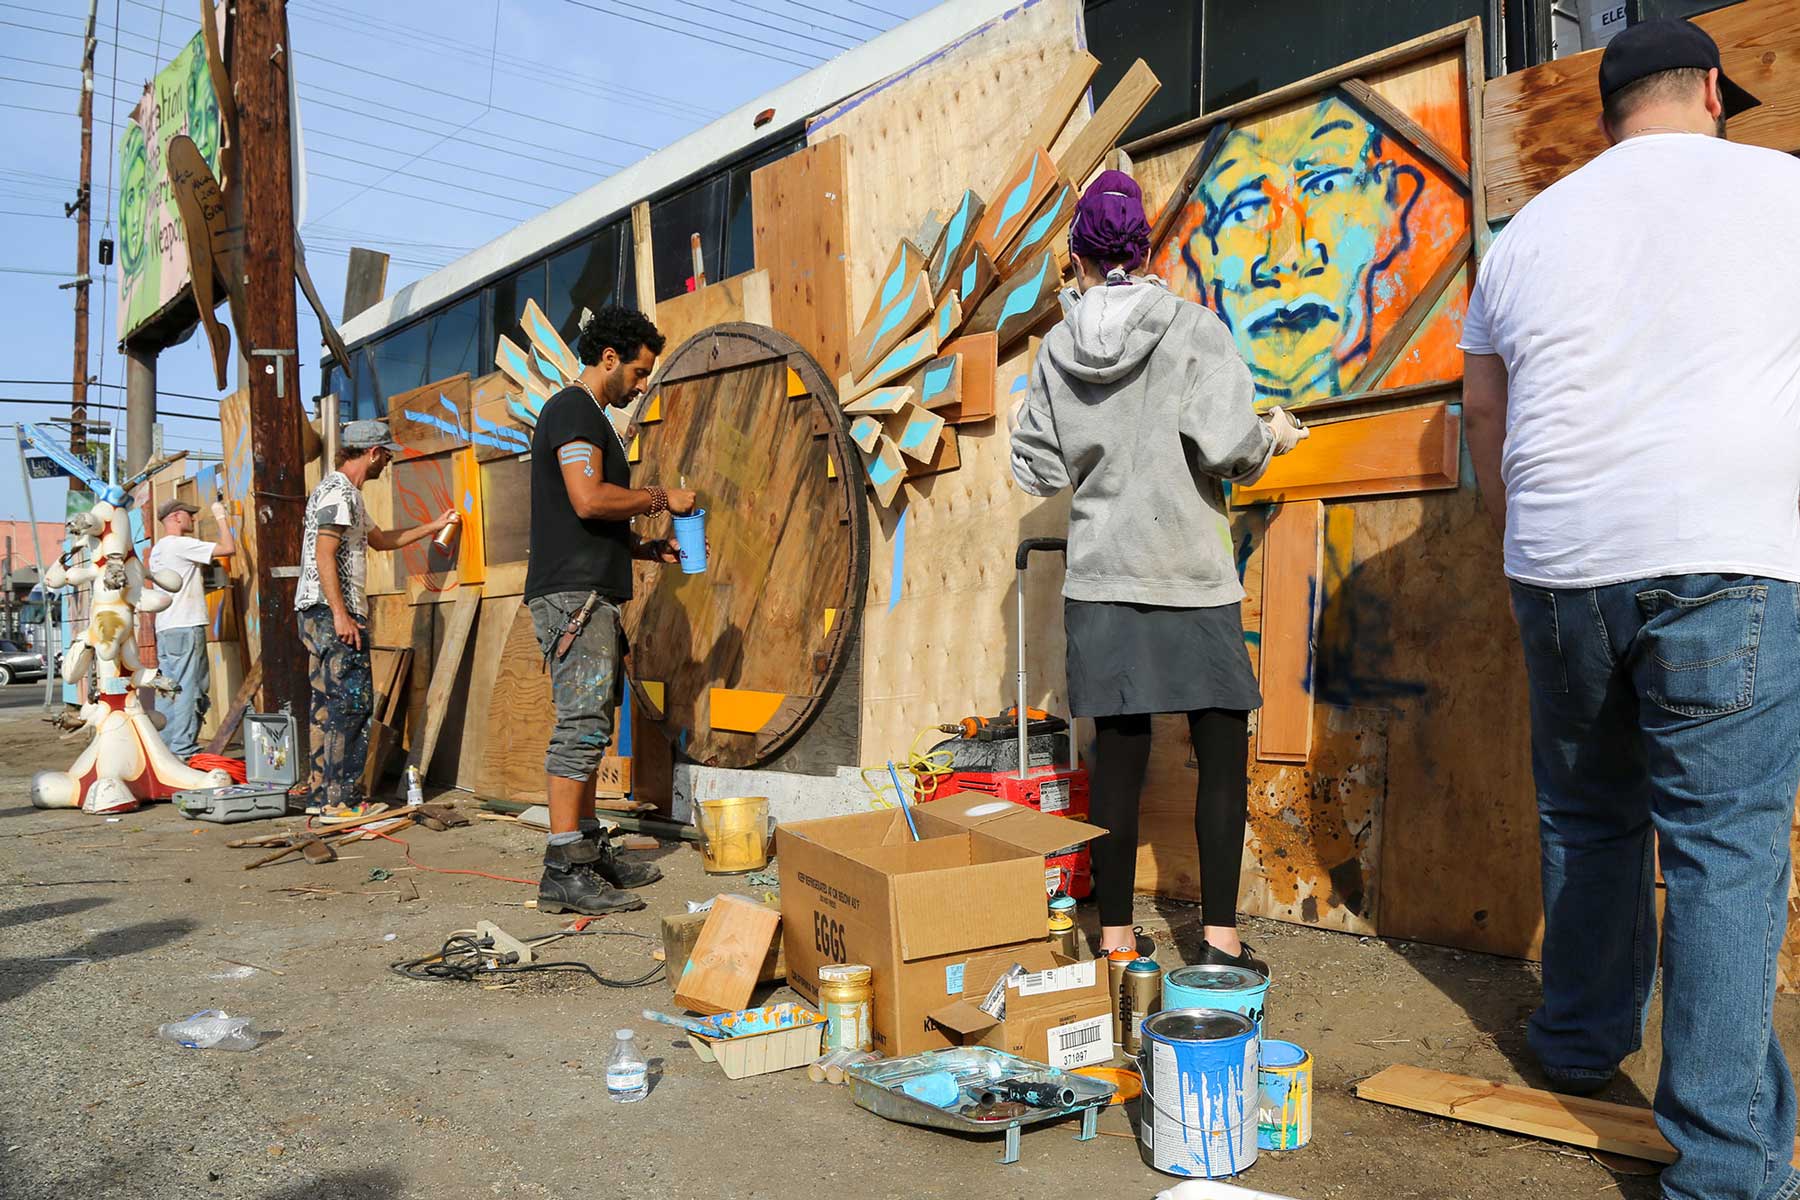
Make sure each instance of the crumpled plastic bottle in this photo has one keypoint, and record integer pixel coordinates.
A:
(212, 1030)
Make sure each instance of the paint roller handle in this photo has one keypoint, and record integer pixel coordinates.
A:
(1031, 545)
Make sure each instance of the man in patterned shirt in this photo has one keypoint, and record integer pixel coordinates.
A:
(334, 610)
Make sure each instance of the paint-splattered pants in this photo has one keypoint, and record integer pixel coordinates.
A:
(584, 682)
(343, 696)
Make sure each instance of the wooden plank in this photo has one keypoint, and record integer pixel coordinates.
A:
(681, 931)
(496, 427)
(1533, 1112)
(1122, 106)
(1542, 123)
(521, 368)
(1410, 131)
(1060, 101)
(893, 325)
(505, 524)
(1052, 217)
(643, 260)
(865, 431)
(1413, 450)
(721, 975)
(940, 382)
(514, 766)
(1292, 552)
(741, 710)
(947, 456)
(240, 704)
(802, 237)
(980, 357)
(903, 359)
(885, 469)
(948, 318)
(975, 280)
(744, 297)
(1017, 305)
(1395, 342)
(483, 726)
(365, 282)
(431, 418)
(956, 244)
(1190, 179)
(916, 432)
(444, 672)
(882, 400)
(1031, 179)
(903, 265)
(556, 362)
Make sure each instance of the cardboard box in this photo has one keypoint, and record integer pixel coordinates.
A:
(1060, 1013)
(859, 889)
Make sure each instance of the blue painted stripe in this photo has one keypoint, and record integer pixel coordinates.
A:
(938, 378)
(1039, 228)
(1015, 199)
(915, 435)
(944, 314)
(1025, 297)
(544, 335)
(445, 401)
(546, 368)
(954, 234)
(891, 316)
(1019, 384)
(903, 355)
(880, 471)
(436, 422)
(897, 577)
(468, 501)
(969, 276)
(863, 427)
(890, 290)
(528, 415)
(501, 437)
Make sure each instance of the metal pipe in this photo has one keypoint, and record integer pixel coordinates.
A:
(140, 408)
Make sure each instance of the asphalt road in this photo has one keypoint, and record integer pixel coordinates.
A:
(22, 698)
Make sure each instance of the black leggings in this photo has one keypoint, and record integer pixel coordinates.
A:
(1221, 745)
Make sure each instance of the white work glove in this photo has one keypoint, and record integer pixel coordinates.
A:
(1288, 432)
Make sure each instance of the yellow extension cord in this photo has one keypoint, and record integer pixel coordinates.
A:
(926, 768)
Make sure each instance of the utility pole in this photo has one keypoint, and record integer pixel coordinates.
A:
(80, 210)
(260, 55)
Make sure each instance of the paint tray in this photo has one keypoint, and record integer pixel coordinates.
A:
(760, 1041)
(876, 1087)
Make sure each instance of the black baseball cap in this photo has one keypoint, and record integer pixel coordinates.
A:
(1666, 44)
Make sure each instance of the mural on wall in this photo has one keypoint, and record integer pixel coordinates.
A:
(1311, 232)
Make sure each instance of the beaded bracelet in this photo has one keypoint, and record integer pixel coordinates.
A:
(659, 501)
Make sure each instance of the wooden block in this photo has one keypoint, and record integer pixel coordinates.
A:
(893, 324)
(1027, 184)
(948, 317)
(740, 710)
(496, 427)
(886, 470)
(940, 383)
(1292, 563)
(1060, 103)
(975, 280)
(957, 244)
(522, 370)
(881, 400)
(918, 431)
(1571, 1120)
(431, 418)
(980, 355)
(444, 672)
(1414, 450)
(865, 431)
(948, 457)
(549, 345)
(1051, 218)
(906, 261)
(1019, 303)
(728, 957)
(682, 930)
(614, 776)
(909, 355)
(1109, 122)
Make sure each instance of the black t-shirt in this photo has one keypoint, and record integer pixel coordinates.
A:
(569, 554)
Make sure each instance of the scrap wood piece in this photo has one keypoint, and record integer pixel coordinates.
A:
(728, 957)
(556, 362)
(522, 370)
(947, 457)
(681, 931)
(906, 261)
(980, 355)
(1030, 180)
(1411, 132)
(940, 383)
(865, 431)
(1109, 123)
(1413, 450)
(886, 470)
(1059, 107)
(1017, 305)
(443, 675)
(1572, 1120)
(956, 244)
(234, 716)
(919, 433)
(915, 351)
(881, 400)
(1292, 565)
(975, 280)
(1051, 218)
(892, 326)
(948, 317)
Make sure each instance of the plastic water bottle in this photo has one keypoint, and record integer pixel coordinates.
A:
(627, 1074)
(211, 1030)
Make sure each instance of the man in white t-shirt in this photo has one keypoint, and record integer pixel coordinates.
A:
(1632, 397)
(181, 627)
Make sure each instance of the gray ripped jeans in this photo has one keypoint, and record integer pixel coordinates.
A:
(585, 683)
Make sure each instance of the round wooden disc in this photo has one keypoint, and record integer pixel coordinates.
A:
(738, 659)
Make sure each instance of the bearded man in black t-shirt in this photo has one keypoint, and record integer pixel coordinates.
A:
(582, 546)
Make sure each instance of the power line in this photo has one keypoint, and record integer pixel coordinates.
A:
(699, 37)
(101, 404)
(455, 183)
(838, 16)
(110, 386)
(764, 24)
(363, 112)
(410, 196)
(34, 271)
(340, 137)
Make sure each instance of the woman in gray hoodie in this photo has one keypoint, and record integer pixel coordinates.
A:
(1140, 404)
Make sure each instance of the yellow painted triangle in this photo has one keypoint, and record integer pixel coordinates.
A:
(830, 619)
(653, 692)
(738, 710)
(796, 385)
(652, 410)
(830, 467)
(637, 449)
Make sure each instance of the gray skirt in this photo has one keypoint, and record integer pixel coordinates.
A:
(1138, 658)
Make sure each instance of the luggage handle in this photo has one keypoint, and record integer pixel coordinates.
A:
(1020, 560)
(1029, 545)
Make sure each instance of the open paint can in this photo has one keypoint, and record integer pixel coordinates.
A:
(1234, 989)
(1284, 1114)
(1200, 1113)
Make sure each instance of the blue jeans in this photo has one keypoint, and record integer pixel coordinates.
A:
(181, 655)
(1670, 705)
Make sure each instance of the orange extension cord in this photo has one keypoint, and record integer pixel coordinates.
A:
(407, 850)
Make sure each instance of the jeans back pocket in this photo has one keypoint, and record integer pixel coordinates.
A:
(1540, 637)
(1699, 656)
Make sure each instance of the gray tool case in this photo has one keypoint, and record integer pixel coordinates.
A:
(272, 765)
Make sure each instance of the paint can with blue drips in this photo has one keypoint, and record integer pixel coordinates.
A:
(1234, 989)
(1284, 1115)
(1200, 1101)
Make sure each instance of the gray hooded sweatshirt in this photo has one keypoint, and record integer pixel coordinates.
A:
(1139, 402)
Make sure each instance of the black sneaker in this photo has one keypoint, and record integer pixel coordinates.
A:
(1212, 956)
(617, 870)
(571, 884)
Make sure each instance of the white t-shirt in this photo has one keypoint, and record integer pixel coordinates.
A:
(335, 502)
(1647, 308)
(184, 556)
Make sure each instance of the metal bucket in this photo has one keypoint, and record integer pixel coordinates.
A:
(1233, 989)
(1199, 1111)
(734, 834)
(1284, 1112)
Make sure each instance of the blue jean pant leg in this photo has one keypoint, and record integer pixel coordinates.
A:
(584, 683)
(343, 696)
(181, 656)
(1594, 838)
(1718, 669)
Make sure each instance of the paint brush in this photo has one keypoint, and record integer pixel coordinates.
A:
(900, 795)
(703, 1028)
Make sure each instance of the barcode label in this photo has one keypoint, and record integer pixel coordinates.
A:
(1081, 1043)
(1058, 979)
(953, 979)
(1053, 796)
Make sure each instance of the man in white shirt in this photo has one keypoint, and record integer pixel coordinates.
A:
(1632, 396)
(181, 627)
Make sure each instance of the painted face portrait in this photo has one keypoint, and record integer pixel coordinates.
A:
(1303, 211)
(134, 202)
(203, 111)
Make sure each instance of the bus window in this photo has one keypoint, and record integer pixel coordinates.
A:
(585, 276)
(456, 340)
(674, 221)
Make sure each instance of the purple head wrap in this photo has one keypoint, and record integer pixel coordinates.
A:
(1110, 227)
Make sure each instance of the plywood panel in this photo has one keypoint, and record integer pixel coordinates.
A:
(432, 418)
(745, 297)
(1414, 450)
(485, 725)
(1290, 612)
(1541, 124)
(506, 524)
(802, 236)
(512, 768)
(234, 437)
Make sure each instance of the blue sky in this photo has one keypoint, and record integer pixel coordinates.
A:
(407, 151)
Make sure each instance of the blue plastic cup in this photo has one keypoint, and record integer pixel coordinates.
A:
(690, 531)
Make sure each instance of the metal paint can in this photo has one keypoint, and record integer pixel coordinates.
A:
(1199, 1072)
(1062, 932)
(1141, 990)
(1233, 989)
(1116, 962)
(1284, 1113)
(847, 998)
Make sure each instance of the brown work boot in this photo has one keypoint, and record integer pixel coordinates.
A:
(571, 884)
(615, 868)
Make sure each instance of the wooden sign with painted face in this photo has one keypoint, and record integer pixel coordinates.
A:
(957, 244)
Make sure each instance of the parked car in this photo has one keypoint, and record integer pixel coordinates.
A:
(17, 664)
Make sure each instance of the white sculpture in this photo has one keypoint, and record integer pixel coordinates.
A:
(126, 763)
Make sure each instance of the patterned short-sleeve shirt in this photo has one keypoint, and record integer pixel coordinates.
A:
(337, 502)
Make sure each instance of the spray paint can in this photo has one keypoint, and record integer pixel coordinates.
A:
(415, 794)
(1062, 927)
(446, 537)
(1116, 962)
(1141, 990)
